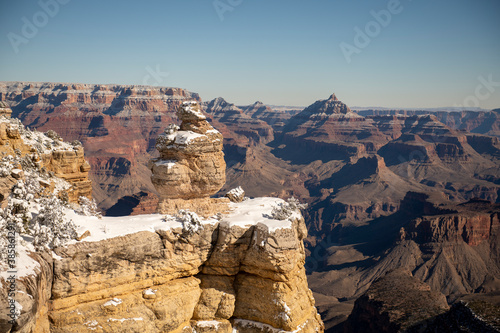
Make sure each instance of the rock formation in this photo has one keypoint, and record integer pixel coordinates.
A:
(247, 129)
(226, 275)
(191, 165)
(244, 272)
(5, 110)
(396, 302)
(481, 122)
(47, 153)
(452, 248)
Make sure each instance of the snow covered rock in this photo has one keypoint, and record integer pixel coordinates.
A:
(243, 271)
(236, 194)
(191, 165)
(24, 151)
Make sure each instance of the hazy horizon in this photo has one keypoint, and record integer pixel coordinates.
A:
(393, 54)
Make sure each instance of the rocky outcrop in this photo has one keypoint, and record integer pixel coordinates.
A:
(239, 270)
(396, 302)
(191, 165)
(471, 228)
(243, 272)
(47, 153)
(5, 110)
(32, 294)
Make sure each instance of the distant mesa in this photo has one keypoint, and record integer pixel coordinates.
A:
(243, 128)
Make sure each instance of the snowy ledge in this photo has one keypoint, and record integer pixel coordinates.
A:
(188, 107)
(184, 137)
(244, 215)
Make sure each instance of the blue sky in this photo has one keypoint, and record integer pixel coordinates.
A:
(432, 53)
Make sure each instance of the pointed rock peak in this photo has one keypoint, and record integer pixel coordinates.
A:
(333, 98)
(219, 101)
(258, 103)
(328, 107)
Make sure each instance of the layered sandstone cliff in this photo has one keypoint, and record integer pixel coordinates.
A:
(191, 166)
(248, 129)
(244, 272)
(46, 153)
(150, 273)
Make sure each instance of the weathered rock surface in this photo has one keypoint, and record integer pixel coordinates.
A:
(191, 165)
(44, 152)
(32, 293)
(231, 274)
(5, 110)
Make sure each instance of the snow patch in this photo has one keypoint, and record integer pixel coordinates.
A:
(244, 214)
(56, 257)
(213, 131)
(184, 137)
(92, 325)
(125, 319)
(113, 302)
(253, 211)
(168, 163)
(188, 108)
(150, 292)
(208, 324)
(25, 265)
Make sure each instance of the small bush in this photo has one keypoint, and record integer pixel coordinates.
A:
(191, 222)
(88, 207)
(50, 228)
(284, 210)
